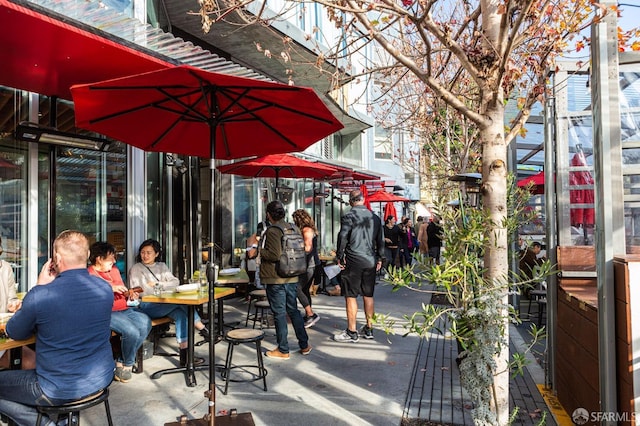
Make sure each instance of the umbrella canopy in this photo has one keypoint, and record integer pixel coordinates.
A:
(536, 181)
(194, 112)
(189, 111)
(279, 166)
(381, 196)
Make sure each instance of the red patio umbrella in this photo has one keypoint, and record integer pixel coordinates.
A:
(382, 196)
(365, 194)
(537, 182)
(390, 210)
(279, 166)
(189, 111)
(581, 214)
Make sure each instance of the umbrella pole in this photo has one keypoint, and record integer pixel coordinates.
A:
(212, 291)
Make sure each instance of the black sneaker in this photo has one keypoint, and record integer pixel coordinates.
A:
(310, 321)
(204, 333)
(366, 332)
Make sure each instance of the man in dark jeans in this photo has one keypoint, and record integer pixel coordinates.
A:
(282, 292)
(360, 256)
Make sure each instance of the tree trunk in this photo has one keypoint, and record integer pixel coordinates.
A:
(494, 192)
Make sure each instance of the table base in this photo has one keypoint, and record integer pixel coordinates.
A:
(233, 419)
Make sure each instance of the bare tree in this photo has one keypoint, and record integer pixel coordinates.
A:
(458, 62)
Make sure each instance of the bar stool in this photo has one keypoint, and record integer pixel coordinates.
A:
(234, 338)
(71, 409)
(254, 296)
(536, 296)
(262, 312)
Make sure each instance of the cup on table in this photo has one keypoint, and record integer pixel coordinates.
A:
(202, 277)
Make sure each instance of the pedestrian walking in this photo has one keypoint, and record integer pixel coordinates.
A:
(307, 226)
(281, 291)
(359, 256)
(434, 239)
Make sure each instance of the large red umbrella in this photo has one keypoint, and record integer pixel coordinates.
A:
(194, 112)
(381, 196)
(279, 166)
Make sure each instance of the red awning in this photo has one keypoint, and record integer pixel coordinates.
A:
(45, 55)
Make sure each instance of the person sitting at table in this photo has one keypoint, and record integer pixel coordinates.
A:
(146, 274)
(132, 325)
(69, 312)
(9, 302)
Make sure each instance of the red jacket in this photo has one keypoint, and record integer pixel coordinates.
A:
(114, 278)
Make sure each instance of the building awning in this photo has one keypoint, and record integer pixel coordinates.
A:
(43, 54)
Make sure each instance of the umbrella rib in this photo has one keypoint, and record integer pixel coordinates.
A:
(236, 101)
(267, 104)
(159, 104)
(165, 132)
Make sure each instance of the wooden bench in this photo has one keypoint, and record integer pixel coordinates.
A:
(155, 337)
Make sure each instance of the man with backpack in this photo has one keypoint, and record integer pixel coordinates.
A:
(276, 273)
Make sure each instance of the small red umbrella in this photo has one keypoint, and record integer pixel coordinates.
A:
(381, 196)
(365, 194)
(536, 181)
(279, 166)
(390, 210)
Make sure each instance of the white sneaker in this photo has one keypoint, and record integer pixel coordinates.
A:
(346, 336)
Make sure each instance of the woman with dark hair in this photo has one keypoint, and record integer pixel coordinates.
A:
(149, 273)
(132, 325)
(307, 227)
(391, 240)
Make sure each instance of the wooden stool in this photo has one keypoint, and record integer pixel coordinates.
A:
(235, 337)
(71, 409)
(254, 296)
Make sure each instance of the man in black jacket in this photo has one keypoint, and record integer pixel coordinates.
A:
(359, 255)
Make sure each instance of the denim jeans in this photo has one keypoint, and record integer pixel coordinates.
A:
(282, 299)
(176, 312)
(20, 393)
(133, 327)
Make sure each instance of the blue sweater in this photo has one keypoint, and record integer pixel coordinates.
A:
(70, 317)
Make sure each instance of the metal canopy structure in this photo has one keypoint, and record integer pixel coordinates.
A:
(593, 117)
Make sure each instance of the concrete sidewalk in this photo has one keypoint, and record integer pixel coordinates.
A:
(372, 382)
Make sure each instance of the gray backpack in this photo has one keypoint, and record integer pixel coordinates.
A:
(293, 260)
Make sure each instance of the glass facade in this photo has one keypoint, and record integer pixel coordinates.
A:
(576, 199)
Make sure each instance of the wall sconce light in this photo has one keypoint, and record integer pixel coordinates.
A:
(32, 132)
(284, 193)
(176, 162)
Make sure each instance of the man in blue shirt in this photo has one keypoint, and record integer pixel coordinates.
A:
(69, 311)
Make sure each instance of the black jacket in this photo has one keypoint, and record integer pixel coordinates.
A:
(360, 240)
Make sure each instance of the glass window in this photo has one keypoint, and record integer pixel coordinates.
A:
(383, 146)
